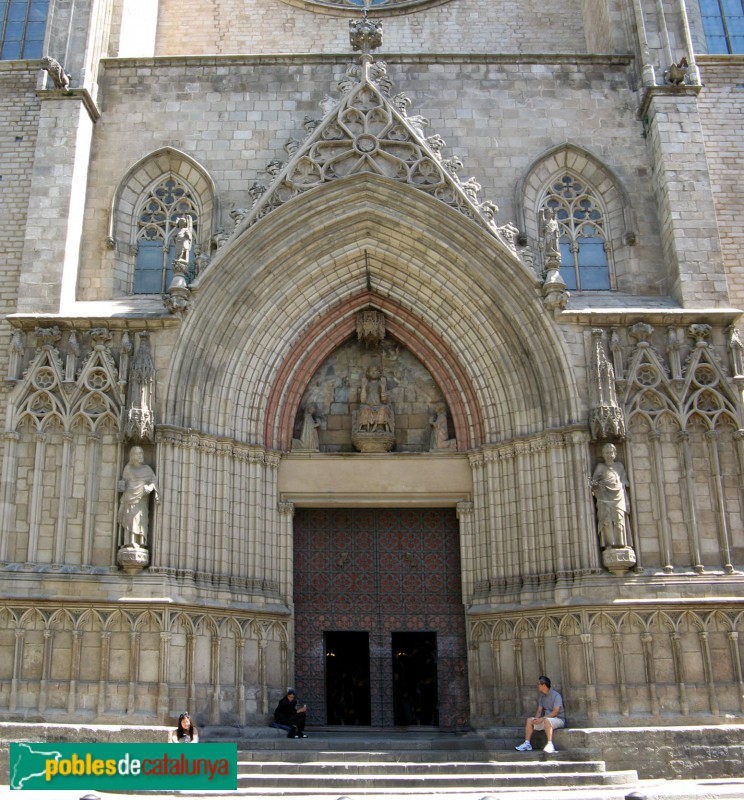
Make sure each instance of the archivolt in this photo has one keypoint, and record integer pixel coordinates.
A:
(326, 253)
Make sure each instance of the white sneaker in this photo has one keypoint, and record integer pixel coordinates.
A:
(524, 747)
(549, 748)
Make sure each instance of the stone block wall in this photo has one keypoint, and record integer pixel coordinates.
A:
(273, 26)
(721, 111)
(233, 116)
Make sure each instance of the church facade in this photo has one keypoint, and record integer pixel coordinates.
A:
(384, 349)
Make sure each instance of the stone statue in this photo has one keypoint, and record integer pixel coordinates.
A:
(609, 486)
(309, 434)
(438, 439)
(374, 413)
(137, 484)
(551, 236)
(183, 238)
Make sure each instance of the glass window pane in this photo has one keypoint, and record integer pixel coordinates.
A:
(594, 278)
(148, 272)
(11, 50)
(592, 253)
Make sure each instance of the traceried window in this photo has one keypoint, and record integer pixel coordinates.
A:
(723, 22)
(583, 235)
(168, 201)
(22, 26)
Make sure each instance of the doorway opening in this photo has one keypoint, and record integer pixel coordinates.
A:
(347, 678)
(415, 695)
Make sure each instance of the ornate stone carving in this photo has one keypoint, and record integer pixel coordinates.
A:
(140, 421)
(609, 484)
(439, 440)
(364, 34)
(675, 74)
(366, 132)
(555, 296)
(370, 327)
(736, 348)
(606, 417)
(373, 424)
(138, 482)
(56, 72)
(178, 299)
(308, 441)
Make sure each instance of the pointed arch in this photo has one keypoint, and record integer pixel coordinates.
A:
(161, 165)
(319, 257)
(601, 189)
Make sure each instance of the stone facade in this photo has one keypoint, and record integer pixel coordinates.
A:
(410, 183)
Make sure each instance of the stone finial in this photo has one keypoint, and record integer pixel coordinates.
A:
(56, 72)
(606, 417)
(365, 35)
(700, 332)
(47, 337)
(641, 333)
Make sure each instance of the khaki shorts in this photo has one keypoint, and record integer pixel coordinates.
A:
(554, 722)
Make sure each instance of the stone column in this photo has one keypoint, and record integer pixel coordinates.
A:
(688, 497)
(722, 520)
(9, 478)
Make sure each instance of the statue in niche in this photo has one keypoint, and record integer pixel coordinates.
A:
(137, 484)
(373, 424)
(438, 439)
(375, 414)
(308, 440)
(183, 238)
(609, 487)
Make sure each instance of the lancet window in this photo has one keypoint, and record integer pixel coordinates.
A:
(22, 26)
(168, 200)
(584, 242)
(723, 23)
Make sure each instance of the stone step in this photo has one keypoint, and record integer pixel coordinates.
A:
(300, 755)
(341, 767)
(435, 782)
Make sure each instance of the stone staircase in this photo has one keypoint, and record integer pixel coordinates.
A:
(415, 762)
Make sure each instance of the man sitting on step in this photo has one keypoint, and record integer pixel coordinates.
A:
(289, 717)
(549, 710)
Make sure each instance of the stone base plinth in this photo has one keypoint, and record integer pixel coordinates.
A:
(132, 559)
(618, 560)
(373, 441)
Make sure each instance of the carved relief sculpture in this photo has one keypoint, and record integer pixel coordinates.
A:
(609, 486)
(137, 484)
(439, 441)
(308, 441)
(373, 425)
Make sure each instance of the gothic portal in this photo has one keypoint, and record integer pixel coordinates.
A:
(387, 350)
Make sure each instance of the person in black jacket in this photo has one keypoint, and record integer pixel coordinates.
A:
(290, 717)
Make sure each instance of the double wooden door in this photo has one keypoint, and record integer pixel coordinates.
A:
(379, 620)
